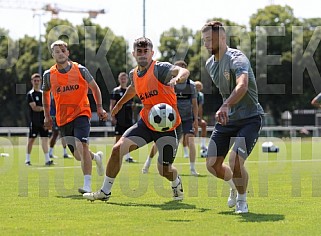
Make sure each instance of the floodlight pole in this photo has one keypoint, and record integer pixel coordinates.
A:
(144, 17)
(40, 49)
(39, 44)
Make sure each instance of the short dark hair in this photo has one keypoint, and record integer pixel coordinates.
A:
(214, 26)
(35, 75)
(143, 42)
(180, 62)
(122, 74)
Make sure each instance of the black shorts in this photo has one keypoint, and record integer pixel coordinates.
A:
(35, 130)
(242, 133)
(120, 130)
(166, 142)
(78, 129)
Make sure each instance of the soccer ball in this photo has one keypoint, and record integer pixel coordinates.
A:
(162, 117)
(203, 152)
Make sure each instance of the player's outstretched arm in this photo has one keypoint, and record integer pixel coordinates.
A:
(315, 101)
(179, 75)
(46, 108)
(102, 114)
(129, 94)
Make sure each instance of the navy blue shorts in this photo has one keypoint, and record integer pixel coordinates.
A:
(243, 134)
(186, 128)
(166, 142)
(79, 129)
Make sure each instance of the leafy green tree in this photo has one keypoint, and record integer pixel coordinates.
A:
(175, 45)
(99, 49)
(280, 38)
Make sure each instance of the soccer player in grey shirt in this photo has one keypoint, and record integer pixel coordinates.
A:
(238, 119)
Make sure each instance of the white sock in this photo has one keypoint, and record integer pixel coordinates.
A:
(87, 182)
(175, 182)
(108, 184)
(231, 183)
(241, 197)
(203, 142)
(27, 157)
(185, 151)
(50, 151)
(95, 157)
(47, 158)
(148, 161)
(192, 165)
(65, 151)
(127, 156)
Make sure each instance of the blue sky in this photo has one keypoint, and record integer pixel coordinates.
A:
(125, 17)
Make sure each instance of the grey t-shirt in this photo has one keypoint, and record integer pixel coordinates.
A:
(200, 98)
(83, 70)
(185, 92)
(224, 74)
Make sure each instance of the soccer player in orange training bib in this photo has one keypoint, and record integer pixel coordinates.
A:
(153, 82)
(68, 82)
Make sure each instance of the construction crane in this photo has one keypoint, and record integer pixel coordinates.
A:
(39, 7)
(55, 9)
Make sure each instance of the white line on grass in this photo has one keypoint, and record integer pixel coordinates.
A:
(197, 163)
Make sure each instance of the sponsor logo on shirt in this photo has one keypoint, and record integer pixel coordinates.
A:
(147, 95)
(63, 89)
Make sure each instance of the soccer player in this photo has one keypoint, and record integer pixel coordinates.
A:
(55, 132)
(201, 122)
(188, 110)
(239, 119)
(153, 82)
(68, 82)
(124, 118)
(36, 116)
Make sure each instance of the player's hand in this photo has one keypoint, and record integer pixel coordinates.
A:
(173, 81)
(102, 114)
(116, 109)
(222, 114)
(113, 120)
(48, 123)
(195, 126)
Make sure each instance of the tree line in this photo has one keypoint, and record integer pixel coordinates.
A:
(284, 52)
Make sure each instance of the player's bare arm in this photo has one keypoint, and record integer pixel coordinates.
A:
(111, 107)
(195, 114)
(102, 114)
(238, 92)
(46, 107)
(179, 75)
(35, 108)
(129, 94)
(315, 102)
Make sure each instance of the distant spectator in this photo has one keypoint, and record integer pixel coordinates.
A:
(124, 118)
(36, 115)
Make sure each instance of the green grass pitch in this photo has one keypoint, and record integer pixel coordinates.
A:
(284, 195)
